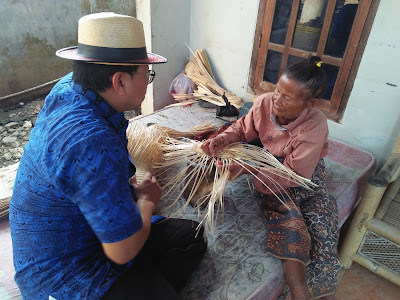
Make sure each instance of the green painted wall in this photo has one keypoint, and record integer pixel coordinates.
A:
(32, 30)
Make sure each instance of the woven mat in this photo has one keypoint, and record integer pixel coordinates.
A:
(7, 177)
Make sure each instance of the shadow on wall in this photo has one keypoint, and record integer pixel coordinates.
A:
(31, 33)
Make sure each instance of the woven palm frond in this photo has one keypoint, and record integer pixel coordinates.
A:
(153, 149)
(144, 147)
(191, 133)
(4, 207)
(178, 152)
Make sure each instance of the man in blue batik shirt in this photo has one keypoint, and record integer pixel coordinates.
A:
(77, 231)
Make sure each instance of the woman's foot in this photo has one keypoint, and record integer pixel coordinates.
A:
(295, 273)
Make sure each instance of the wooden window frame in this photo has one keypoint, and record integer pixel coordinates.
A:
(348, 64)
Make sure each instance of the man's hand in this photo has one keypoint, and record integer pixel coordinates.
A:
(148, 190)
(147, 194)
(213, 145)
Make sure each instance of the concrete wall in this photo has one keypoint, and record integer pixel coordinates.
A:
(167, 29)
(226, 30)
(372, 119)
(31, 32)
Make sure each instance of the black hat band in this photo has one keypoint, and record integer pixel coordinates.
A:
(112, 54)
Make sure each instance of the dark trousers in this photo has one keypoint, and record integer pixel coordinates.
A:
(160, 270)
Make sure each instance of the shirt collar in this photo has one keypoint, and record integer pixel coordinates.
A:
(291, 125)
(116, 119)
(273, 120)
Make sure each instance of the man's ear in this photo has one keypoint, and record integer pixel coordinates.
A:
(118, 83)
(312, 103)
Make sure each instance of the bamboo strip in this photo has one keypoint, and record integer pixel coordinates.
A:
(144, 147)
(191, 133)
(153, 149)
(387, 198)
(384, 229)
(4, 207)
(177, 152)
(377, 268)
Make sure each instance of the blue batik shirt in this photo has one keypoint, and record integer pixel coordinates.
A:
(70, 195)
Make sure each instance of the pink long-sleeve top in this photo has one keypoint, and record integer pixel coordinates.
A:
(302, 142)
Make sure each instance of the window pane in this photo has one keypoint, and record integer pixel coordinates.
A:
(342, 22)
(331, 74)
(272, 67)
(310, 19)
(294, 60)
(281, 21)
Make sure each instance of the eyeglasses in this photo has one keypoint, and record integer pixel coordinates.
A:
(150, 74)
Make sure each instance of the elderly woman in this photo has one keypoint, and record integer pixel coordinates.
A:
(304, 233)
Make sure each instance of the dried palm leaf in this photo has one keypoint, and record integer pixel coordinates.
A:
(4, 207)
(179, 152)
(144, 148)
(199, 71)
(151, 149)
(191, 133)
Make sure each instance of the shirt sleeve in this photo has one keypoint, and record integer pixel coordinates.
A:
(244, 129)
(94, 174)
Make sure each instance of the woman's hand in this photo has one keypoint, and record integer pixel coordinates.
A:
(235, 170)
(213, 145)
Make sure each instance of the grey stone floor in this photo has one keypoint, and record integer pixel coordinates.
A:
(16, 124)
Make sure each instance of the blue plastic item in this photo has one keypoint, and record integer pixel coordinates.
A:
(245, 109)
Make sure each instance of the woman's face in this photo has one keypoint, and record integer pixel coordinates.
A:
(289, 100)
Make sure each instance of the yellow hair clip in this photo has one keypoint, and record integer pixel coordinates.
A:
(319, 64)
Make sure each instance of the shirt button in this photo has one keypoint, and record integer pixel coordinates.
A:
(302, 131)
(270, 138)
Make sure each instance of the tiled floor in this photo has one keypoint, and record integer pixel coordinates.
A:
(358, 283)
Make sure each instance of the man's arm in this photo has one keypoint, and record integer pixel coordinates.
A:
(148, 194)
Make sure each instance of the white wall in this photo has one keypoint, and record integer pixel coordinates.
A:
(371, 122)
(225, 28)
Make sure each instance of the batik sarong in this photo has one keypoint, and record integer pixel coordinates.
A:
(306, 230)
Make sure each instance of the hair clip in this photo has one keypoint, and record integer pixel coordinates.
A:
(319, 64)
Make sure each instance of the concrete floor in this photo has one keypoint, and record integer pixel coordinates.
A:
(358, 283)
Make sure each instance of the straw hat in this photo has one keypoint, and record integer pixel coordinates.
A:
(111, 39)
